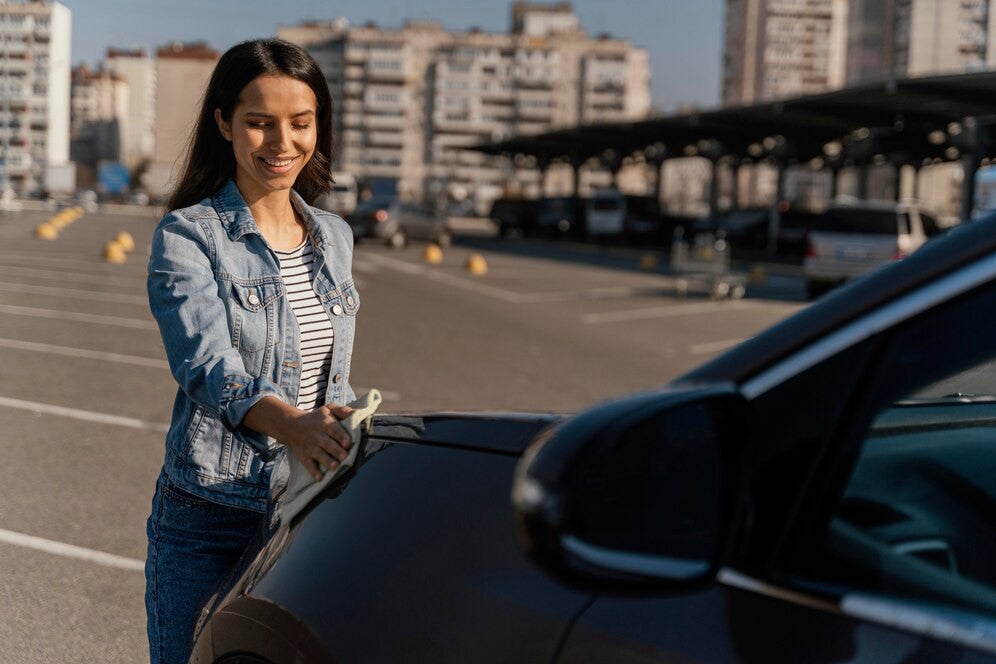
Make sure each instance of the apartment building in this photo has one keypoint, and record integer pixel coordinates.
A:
(896, 38)
(138, 71)
(98, 121)
(182, 72)
(34, 94)
(409, 100)
(781, 48)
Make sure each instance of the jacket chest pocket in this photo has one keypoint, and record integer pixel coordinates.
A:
(254, 314)
(346, 303)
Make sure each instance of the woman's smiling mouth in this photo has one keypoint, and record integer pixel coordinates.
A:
(277, 165)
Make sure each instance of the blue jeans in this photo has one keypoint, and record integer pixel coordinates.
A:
(194, 546)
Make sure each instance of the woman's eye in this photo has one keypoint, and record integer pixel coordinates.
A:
(302, 127)
(257, 125)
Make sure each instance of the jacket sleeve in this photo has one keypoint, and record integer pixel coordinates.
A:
(193, 321)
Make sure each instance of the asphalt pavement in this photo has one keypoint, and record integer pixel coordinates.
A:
(85, 393)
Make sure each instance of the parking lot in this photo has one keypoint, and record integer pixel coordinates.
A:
(85, 393)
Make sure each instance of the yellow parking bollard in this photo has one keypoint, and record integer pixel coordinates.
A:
(114, 252)
(757, 275)
(47, 231)
(648, 262)
(433, 254)
(125, 239)
(476, 264)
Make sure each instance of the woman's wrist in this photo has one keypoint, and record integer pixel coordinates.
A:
(274, 417)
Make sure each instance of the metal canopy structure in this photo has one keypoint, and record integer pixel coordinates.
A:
(911, 121)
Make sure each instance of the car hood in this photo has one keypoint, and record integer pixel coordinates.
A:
(500, 433)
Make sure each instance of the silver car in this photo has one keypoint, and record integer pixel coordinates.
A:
(396, 222)
(852, 239)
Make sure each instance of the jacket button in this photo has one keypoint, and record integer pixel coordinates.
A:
(337, 378)
(337, 309)
(253, 299)
(349, 300)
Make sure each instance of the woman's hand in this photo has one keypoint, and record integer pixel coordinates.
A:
(315, 437)
(319, 439)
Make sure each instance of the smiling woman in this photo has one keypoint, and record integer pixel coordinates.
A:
(273, 135)
(254, 297)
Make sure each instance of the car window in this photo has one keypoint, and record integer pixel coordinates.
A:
(858, 221)
(916, 517)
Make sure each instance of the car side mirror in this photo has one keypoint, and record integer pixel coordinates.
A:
(639, 492)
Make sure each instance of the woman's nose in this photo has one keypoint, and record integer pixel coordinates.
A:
(280, 136)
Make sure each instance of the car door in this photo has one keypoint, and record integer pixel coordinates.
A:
(869, 532)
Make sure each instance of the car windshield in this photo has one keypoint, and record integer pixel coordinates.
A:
(860, 222)
(605, 203)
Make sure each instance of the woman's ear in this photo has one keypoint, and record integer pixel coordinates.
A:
(223, 127)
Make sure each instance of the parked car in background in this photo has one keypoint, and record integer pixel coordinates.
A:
(611, 214)
(748, 231)
(560, 216)
(605, 213)
(821, 493)
(514, 216)
(854, 238)
(644, 219)
(395, 222)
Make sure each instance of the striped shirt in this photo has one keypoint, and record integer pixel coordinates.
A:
(297, 269)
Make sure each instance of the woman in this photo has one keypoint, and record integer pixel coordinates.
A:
(253, 294)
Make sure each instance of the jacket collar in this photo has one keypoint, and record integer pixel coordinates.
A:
(237, 220)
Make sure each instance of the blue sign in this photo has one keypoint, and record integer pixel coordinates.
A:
(113, 178)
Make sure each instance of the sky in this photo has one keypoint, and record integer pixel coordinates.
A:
(682, 37)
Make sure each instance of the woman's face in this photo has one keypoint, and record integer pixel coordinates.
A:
(273, 133)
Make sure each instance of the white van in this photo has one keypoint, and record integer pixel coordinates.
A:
(344, 196)
(605, 213)
(854, 238)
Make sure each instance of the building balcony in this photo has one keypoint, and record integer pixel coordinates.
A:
(395, 122)
(385, 139)
(534, 84)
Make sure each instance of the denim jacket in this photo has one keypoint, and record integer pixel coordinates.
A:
(231, 338)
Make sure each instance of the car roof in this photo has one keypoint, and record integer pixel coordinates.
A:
(957, 247)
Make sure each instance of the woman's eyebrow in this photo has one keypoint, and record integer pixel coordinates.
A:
(261, 114)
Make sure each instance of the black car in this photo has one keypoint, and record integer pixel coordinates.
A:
(514, 216)
(825, 492)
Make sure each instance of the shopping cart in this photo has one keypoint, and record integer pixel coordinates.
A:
(702, 265)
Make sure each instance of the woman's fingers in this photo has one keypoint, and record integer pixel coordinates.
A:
(339, 412)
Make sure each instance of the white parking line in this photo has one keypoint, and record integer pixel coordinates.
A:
(120, 358)
(137, 360)
(138, 281)
(76, 294)
(34, 259)
(63, 315)
(668, 311)
(71, 551)
(86, 415)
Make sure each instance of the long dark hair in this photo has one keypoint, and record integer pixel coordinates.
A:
(209, 160)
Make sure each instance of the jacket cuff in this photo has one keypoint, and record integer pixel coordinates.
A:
(240, 393)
